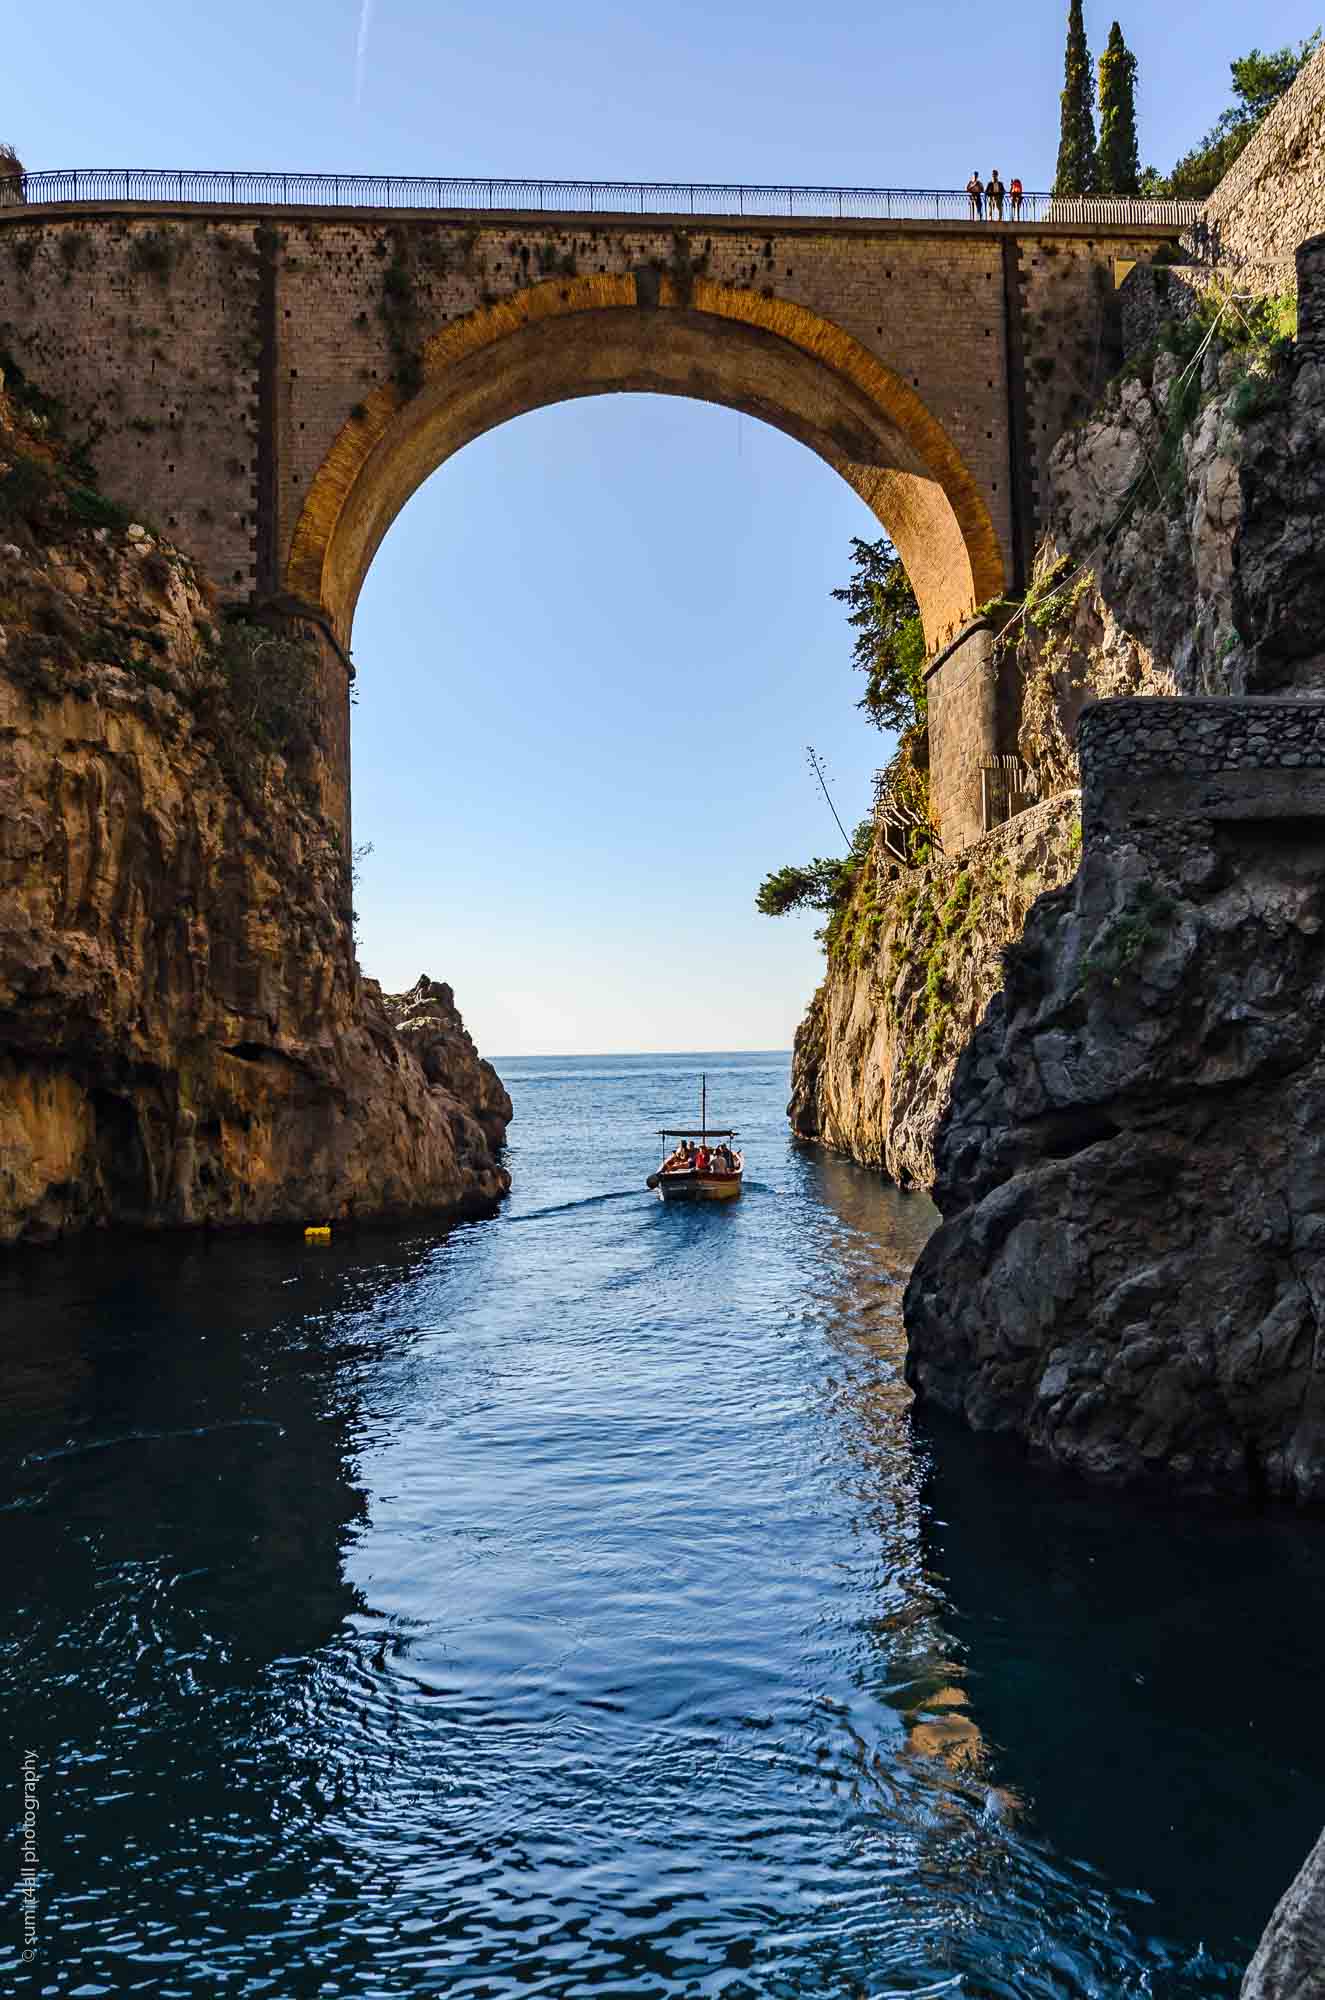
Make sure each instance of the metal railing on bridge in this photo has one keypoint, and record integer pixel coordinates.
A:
(154, 187)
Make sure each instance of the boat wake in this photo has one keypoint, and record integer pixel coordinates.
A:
(586, 1201)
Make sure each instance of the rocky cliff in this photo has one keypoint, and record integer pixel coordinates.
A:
(1290, 1960)
(1130, 1169)
(1183, 555)
(1130, 1274)
(185, 1036)
(910, 972)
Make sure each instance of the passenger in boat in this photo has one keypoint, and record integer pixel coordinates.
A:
(702, 1160)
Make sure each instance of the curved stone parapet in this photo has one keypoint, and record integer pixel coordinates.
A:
(1149, 759)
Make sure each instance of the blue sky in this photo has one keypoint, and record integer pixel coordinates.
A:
(594, 646)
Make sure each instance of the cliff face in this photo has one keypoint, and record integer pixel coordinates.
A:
(1290, 1960)
(428, 1021)
(910, 974)
(1131, 1269)
(1131, 1170)
(1184, 546)
(1184, 555)
(185, 1036)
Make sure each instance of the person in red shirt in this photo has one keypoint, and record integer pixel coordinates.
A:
(1014, 197)
(702, 1160)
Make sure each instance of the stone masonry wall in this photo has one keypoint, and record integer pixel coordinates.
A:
(154, 330)
(962, 689)
(1273, 197)
(149, 335)
(1228, 758)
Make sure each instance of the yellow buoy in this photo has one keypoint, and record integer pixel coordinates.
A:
(318, 1232)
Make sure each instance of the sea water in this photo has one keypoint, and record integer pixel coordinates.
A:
(573, 1604)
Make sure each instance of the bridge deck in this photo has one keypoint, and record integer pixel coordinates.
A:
(494, 197)
(600, 218)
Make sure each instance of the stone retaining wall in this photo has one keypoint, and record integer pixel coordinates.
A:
(1273, 197)
(1223, 759)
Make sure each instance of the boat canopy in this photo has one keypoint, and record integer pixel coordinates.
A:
(700, 1132)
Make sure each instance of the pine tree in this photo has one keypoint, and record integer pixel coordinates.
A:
(1076, 143)
(1118, 166)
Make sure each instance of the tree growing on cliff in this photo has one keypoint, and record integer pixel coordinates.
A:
(1076, 133)
(1117, 163)
(889, 647)
(1260, 79)
(821, 884)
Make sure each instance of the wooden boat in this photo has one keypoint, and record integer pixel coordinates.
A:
(676, 1182)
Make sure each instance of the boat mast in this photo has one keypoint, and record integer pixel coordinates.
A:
(703, 1109)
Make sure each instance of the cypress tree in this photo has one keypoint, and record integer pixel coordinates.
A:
(1076, 143)
(1118, 167)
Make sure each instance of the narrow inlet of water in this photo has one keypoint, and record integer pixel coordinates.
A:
(571, 1604)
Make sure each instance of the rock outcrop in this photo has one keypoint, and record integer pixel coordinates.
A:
(185, 1036)
(1290, 1959)
(1183, 555)
(428, 1021)
(1135, 591)
(1130, 1274)
(1131, 1270)
(911, 970)
(1135, 594)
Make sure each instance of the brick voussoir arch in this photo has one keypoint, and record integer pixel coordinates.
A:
(691, 336)
(828, 343)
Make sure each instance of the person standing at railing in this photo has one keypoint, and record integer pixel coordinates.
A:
(994, 193)
(1014, 197)
(975, 187)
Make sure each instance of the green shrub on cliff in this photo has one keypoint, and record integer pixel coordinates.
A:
(38, 495)
(1260, 79)
(270, 683)
(889, 649)
(1126, 936)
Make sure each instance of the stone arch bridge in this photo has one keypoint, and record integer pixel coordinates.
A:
(270, 383)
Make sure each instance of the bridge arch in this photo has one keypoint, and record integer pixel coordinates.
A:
(662, 334)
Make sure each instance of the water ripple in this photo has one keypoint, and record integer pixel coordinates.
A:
(580, 1610)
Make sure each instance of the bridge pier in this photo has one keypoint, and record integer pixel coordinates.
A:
(972, 730)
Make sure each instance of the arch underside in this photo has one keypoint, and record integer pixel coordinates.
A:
(818, 386)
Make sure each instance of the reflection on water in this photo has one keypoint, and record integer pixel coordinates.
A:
(573, 1604)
